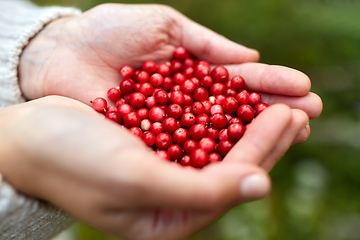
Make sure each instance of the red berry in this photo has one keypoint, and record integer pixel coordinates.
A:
(217, 89)
(177, 97)
(132, 119)
(207, 106)
(200, 94)
(111, 109)
(149, 66)
(254, 98)
(219, 120)
(163, 141)
(242, 97)
(235, 120)
(176, 66)
(189, 72)
(113, 94)
(113, 116)
(188, 86)
(230, 92)
(208, 144)
(143, 77)
(124, 109)
(235, 131)
(213, 133)
(126, 86)
(157, 114)
(179, 78)
(219, 99)
(143, 113)
(146, 88)
(199, 158)
(137, 100)
(206, 82)
(99, 104)
(168, 83)
(163, 155)
(198, 131)
(156, 79)
(148, 138)
(245, 113)
(223, 135)
(188, 100)
(189, 146)
(161, 97)
(169, 124)
(174, 110)
(164, 69)
(197, 108)
(237, 83)
(188, 119)
(150, 102)
(180, 136)
(156, 128)
(203, 118)
(175, 152)
(216, 109)
(136, 131)
(126, 71)
(202, 70)
(189, 62)
(260, 107)
(145, 124)
(224, 147)
(220, 74)
(185, 160)
(214, 157)
(180, 53)
(230, 105)
(196, 81)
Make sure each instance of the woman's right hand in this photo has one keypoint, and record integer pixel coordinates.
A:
(62, 151)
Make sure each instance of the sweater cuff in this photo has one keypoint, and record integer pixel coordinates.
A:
(26, 218)
(20, 21)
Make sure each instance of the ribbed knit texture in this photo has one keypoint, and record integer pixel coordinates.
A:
(20, 20)
(23, 217)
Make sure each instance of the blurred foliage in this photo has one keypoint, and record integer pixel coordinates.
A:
(316, 185)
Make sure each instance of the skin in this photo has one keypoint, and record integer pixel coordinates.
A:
(103, 175)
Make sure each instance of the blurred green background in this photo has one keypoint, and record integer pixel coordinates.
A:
(316, 186)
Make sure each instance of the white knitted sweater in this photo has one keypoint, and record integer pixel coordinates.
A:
(23, 217)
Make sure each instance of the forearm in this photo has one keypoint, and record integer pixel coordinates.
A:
(21, 216)
(20, 21)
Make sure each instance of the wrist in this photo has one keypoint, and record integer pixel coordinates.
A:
(34, 60)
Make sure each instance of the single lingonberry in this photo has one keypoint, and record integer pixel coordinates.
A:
(180, 136)
(157, 114)
(220, 74)
(163, 141)
(199, 158)
(99, 104)
(113, 94)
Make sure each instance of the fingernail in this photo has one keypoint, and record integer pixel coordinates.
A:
(254, 187)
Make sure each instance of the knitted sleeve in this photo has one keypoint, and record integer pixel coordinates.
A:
(23, 217)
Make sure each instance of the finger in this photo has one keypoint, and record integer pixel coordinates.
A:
(298, 123)
(259, 139)
(213, 47)
(303, 135)
(171, 186)
(272, 79)
(310, 103)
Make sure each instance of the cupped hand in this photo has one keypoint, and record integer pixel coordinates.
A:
(80, 57)
(60, 150)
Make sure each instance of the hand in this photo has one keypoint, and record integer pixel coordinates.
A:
(80, 57)
(60, 150)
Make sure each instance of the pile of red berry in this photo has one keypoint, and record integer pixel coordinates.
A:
(185, 111)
